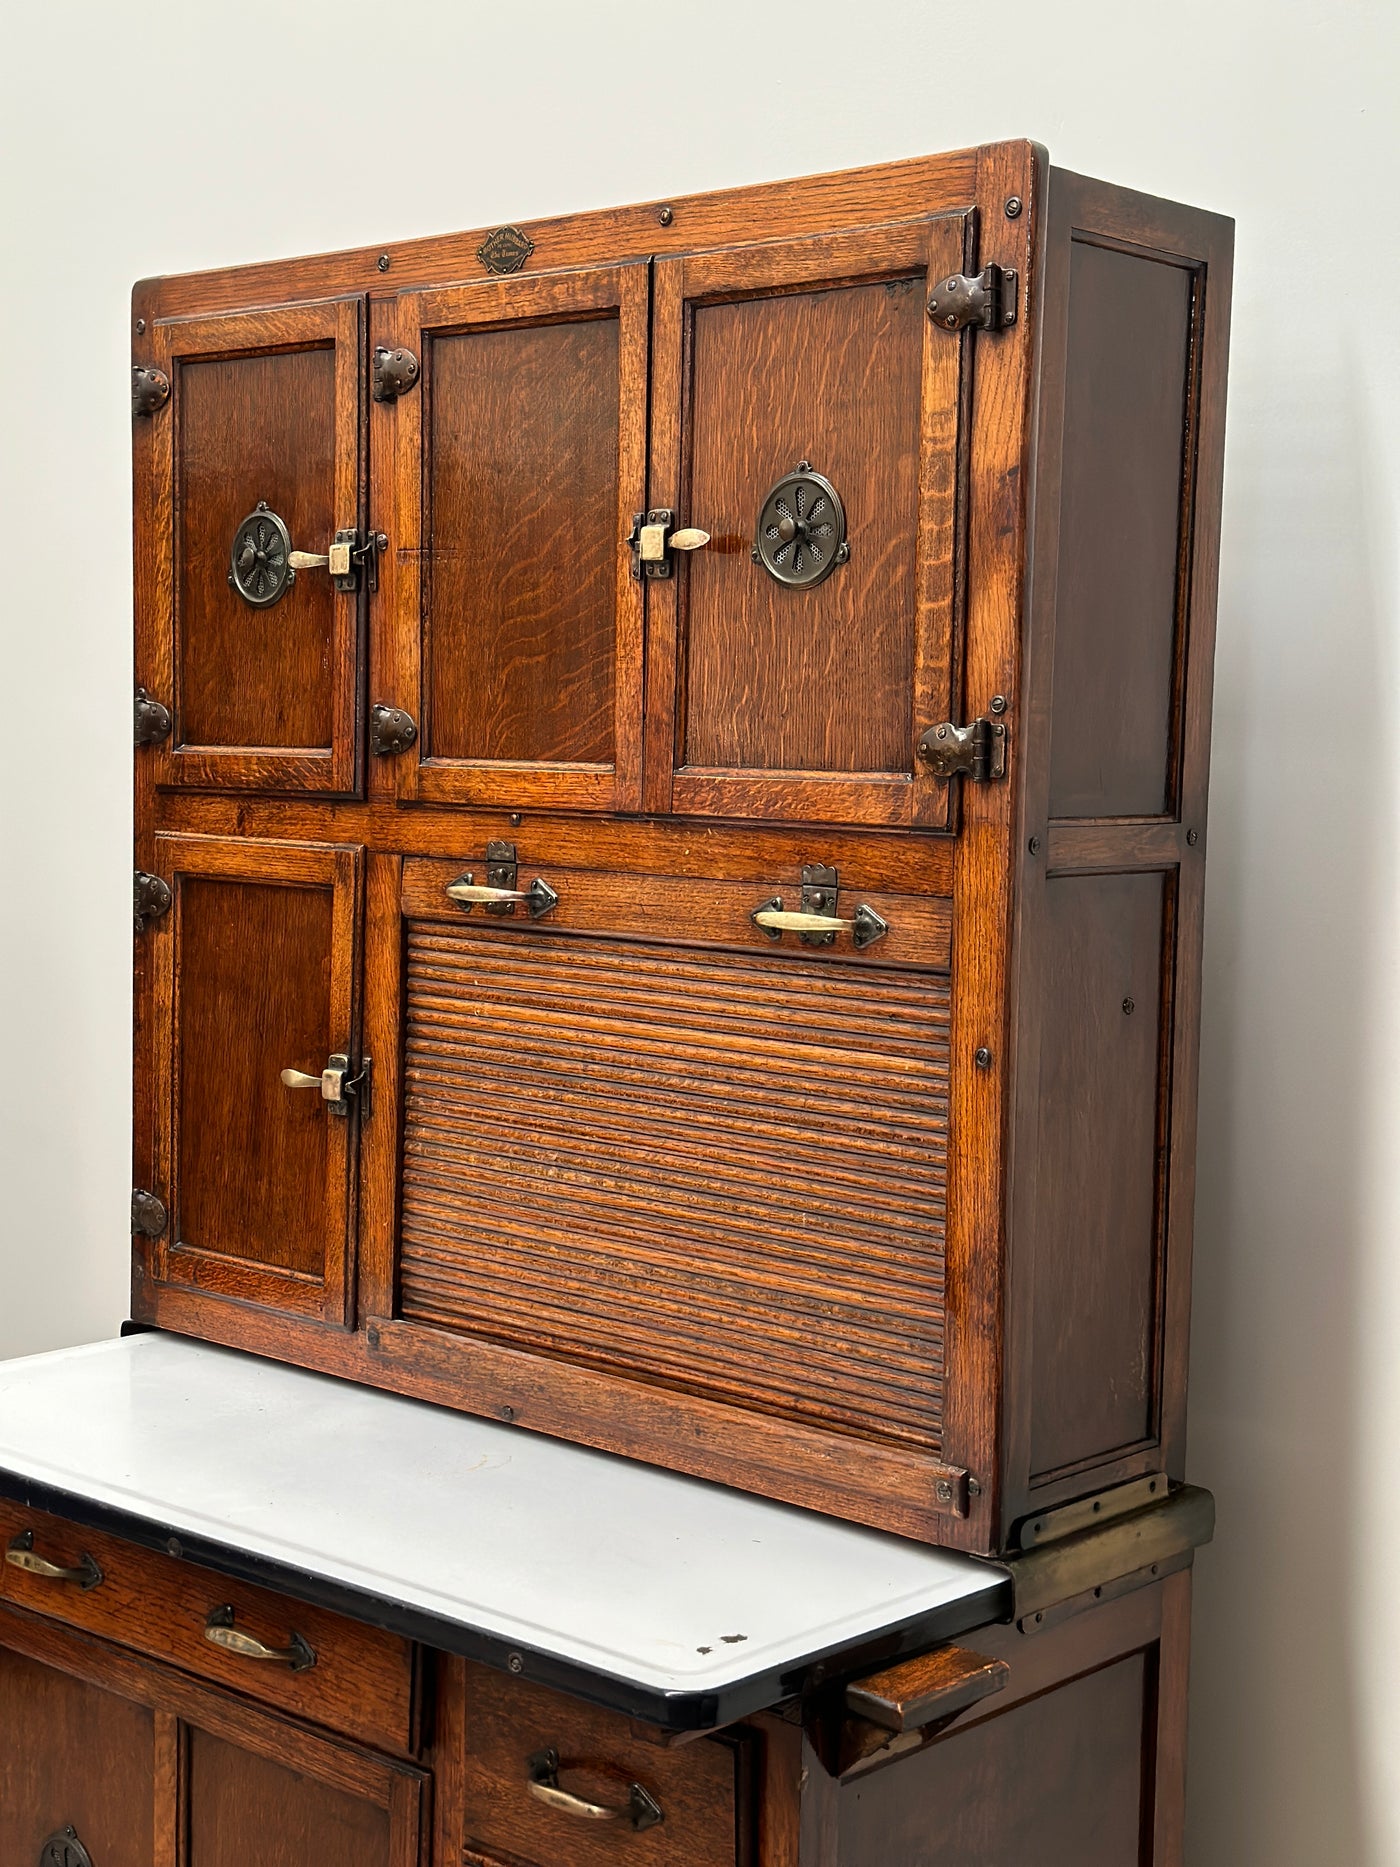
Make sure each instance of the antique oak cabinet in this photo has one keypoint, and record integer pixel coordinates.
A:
(671, 826)
(671, 754)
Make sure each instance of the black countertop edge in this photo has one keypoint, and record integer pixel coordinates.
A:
(700, 1710)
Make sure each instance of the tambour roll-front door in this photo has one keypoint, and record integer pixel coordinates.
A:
(806, 413)
(520, 462)
(260, 1085)
(247, 630)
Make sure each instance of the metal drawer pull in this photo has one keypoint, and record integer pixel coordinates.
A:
(220, 1631)
(642, 1810)
(776, 920)
(539, 897)
(20, 1554)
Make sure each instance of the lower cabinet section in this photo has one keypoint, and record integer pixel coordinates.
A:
(110, 1761)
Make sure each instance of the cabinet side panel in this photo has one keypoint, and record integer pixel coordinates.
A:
(1058, 1780)
(1126, 421)
(1095, 1310)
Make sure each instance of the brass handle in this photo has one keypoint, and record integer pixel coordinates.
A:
(337, 1086)
(642, 1809)
(337, 560)
(866, 927)
(220, 1631)
(689, 538)
(538, 898)
(20, 1554)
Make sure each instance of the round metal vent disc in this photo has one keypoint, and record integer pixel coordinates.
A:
(64, 1850)
(260, 561)
(801, 532)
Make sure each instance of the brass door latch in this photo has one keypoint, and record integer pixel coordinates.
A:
(500, 892)
(652, 540)
(339, 1089)
(263, 566)
(816, 922)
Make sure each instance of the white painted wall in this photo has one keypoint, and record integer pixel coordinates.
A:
(185, 134)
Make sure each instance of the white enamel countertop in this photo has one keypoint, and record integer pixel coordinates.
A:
(617, 1568)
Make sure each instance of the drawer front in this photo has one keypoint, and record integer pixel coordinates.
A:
(537, 1762)
(354, 1679)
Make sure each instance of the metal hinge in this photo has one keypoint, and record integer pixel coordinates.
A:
(153, 722)
(148, 1215)
(652, 541)
(150, 390)
(976, 751)
(395, 373)
(150, 898)
(391, 730)
(984, 302)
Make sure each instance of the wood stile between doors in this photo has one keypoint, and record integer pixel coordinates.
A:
(869, 1158)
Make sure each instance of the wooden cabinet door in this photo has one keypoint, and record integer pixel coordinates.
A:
(256, 453)
(520, 462)
(805, 701)
(73, 1757)
(150, 1768)
(255, 974)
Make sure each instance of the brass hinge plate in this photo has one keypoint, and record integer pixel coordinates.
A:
(148, 1214)
(150, 898)
(985, 301)
(976, 751)
(153, 722)
(391, 730)
(1088, 1512)
(395, 372)
(150, 390)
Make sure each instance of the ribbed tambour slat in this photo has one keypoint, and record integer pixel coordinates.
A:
(724, 1172)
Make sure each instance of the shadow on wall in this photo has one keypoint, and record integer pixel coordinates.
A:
(1299, 836)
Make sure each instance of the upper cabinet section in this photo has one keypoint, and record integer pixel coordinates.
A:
(519, 464)
(806, 414)
(249, 464)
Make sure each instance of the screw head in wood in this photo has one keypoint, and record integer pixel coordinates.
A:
(140, 327)
(383, 262)
(998, 703)
(982, 1057)
(1034, 845)
(665, 215)
(1129, 1007)
(1192, 837)
(1013, 206)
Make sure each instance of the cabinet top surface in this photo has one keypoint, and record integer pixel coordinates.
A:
(666, 1595)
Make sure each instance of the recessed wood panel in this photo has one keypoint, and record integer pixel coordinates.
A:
(522, 501)
(255, 428)
(1098, 1226)
(72, 1754)
(721, 1172)
(817, 680)
(1061, 1779)
(245, 1810)
(1127, 416)
(255, 997)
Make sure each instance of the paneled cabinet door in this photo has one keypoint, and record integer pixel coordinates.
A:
(520, 462)
(255, 1027)
(806, 413)
(76, 1765)
(255, 457)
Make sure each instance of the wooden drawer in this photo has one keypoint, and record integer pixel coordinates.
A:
(700, 1788)
(361, 1682)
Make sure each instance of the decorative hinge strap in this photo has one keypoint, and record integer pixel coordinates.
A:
(150, 898)
(153, 722)
(395, 373)
(148, 1214)
(976, 751)
(150, 390)
(984, 302)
